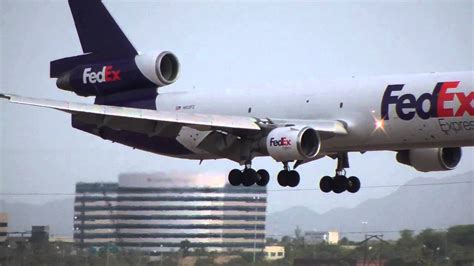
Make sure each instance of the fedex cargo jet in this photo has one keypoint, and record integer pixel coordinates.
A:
(424, 119)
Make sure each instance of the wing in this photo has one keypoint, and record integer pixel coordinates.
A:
(223, 130)
(120, 115)
(198, 121)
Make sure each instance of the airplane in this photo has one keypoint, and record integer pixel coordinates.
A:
(424, 118)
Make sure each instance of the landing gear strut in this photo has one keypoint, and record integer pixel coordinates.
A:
(248, 177)
(340, 183)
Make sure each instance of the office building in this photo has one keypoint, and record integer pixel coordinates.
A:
(157, 213)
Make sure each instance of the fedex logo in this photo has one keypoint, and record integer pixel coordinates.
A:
(105, 75)
(280, 142)
(427, 105)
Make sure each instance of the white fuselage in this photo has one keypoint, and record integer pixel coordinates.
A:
(357, 102)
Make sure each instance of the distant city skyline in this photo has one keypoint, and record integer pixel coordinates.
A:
(248, 45)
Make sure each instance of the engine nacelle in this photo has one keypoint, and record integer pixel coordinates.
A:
(293, 143)
(431, 159)
(109, 77)
(162, 70)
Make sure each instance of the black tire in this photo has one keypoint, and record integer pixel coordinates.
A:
(264, 177)
(326, 184)
(249, 177)
(339, 184)
(283, 178)
(235, 177)
(353, 184)
(293, 178)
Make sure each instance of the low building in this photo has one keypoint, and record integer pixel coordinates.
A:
(332, 237)
(274, 252)
(314, 237)
(39, 234)
(318, 237)
(3, 227)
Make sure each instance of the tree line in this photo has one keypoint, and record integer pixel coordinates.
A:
(454, 246)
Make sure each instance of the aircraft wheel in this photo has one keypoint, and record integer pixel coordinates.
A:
(293, 178)
(326, 184)
(235, 177)
(353, 184)
(339, 184)
(264, 177)
(249, 177)
(283, 178)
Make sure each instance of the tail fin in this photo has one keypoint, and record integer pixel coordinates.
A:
(98, 31)
(101, 38)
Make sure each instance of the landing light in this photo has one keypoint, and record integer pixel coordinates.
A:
(379, 124)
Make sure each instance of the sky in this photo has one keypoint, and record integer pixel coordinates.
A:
(248, 45)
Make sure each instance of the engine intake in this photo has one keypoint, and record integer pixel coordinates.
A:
(431, 159)
(168, 70)
(293, 143)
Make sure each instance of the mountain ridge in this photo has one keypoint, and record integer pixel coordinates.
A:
(420, 203)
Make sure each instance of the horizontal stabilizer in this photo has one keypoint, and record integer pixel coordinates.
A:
(60, 66)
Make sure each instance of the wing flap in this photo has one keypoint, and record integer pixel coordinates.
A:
(151, 128)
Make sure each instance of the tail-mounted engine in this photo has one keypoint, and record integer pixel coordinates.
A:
(431, 159)
(293, 143)
(109, 77)
(162, 70)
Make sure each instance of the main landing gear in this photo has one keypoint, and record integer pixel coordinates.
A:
(291, 178)
(340, 183)
(287, 177)
(249, 177)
